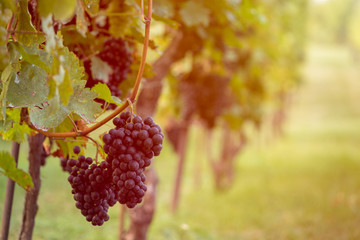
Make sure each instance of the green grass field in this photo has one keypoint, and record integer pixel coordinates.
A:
(303, 185)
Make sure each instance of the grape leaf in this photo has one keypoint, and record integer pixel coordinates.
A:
(193, 13)
(6, 76)
(17, 132)
(91, 6)
(24, 25)
(100, 69)
(63, 10)
(28, 88)
(163, 8)
(11, 129)
(81, 102)
(65, 88)
(22, 178)
(32, 54)
(81, 21)
(8, 164)
(104, 93)
(120, 17)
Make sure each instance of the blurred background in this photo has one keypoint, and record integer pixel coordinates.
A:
(268, 141)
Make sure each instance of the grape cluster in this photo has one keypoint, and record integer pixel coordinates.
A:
(115, 53)
(204, 94)
(130, 147)
(91, 187)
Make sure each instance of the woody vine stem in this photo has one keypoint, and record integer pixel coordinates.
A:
(147, 21)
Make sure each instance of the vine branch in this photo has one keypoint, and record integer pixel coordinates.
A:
(120, 108)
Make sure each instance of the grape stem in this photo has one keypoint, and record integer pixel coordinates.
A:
(121, 108)
(97, 148)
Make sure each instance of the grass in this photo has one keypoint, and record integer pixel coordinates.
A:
(304, 185)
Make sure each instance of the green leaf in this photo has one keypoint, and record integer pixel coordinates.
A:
(17, 132)
(81, 103)
(193, 13)
(22, 178)
(11, 129)
(24, 25)
(7, 163)
(28, 88)
(34, 55)
(100, 69)
(65, 88)
(104, 93)
(6, 76)
(62, 10)
(50, 115)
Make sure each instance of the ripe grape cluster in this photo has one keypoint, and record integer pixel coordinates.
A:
(130, 147)
(119, 57)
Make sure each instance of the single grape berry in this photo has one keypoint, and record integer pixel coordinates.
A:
(76, 149)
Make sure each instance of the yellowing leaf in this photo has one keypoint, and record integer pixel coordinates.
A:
(7, 163)
(24, 24)
(104, 93)
(91, 6)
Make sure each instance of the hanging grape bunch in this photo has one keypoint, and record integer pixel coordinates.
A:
(130, 147)
(119, 57)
